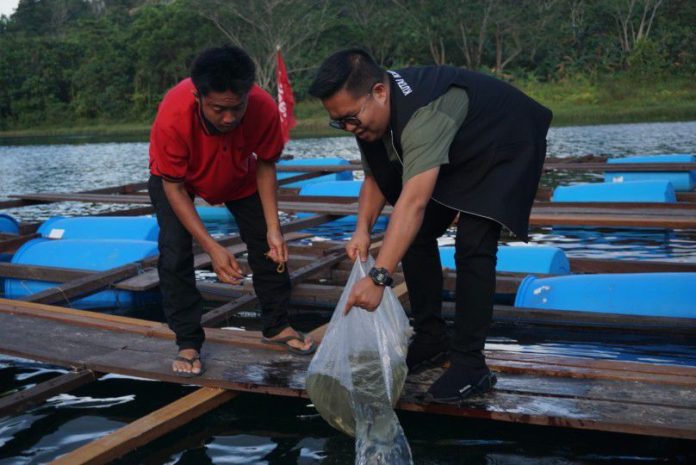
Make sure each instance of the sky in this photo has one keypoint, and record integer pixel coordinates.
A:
(7, 7)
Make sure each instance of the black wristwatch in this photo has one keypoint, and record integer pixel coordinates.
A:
(380, 276)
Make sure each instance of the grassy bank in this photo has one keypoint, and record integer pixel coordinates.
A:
(577, 101)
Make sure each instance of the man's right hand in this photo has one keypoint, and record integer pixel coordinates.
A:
(225, 265)
(358, 245)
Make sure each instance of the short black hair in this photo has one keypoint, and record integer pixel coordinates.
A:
(220, 69)
(352, 69)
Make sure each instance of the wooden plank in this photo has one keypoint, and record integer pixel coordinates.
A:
(689, 208)
(263, 372)
(11, 244)
(147, 428)
(556, 215)
(85, 285)
(589, 320)
(592, 389)
(589, 363)
(41, 273)
(548, 166)
(623, 167)
(300, 177)
(611, 220)
(558, 364)
(92, 198)
(561, 216)
(592, 265)
(220, 314)
(22, 400)
(325, 169)
(122, 189)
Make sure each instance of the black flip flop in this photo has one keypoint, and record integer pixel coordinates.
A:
(190, 361)
(283, 341)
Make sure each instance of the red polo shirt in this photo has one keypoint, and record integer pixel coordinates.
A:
(218, 168)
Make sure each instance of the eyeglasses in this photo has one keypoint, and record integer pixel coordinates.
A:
(353, 120)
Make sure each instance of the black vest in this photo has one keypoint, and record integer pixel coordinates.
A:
(496, 157)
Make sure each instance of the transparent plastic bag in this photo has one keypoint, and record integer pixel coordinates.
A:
(357, 375)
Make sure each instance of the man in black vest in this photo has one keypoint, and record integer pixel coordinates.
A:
(438, 143)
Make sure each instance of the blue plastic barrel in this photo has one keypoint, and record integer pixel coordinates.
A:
(210, 214)
(646, 294)
(338, 189)
(634, 191)
(138, 228)
(520, 259)
(8, 225)
(340, 176)
(682, 181)
(82, 254)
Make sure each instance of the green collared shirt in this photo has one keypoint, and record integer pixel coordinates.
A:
(427, 137)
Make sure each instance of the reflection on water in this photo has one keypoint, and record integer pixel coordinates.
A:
(254, 429)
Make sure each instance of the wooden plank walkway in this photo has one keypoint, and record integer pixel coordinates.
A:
(627, 397)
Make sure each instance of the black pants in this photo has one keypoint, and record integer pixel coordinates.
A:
(182, 303)
(476, 247)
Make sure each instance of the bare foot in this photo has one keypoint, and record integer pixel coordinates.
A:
(193, 367)
(296, 343)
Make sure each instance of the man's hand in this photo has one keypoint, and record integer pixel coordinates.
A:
(358, 245)
(365, 294)
(277, 248)
(225, 265)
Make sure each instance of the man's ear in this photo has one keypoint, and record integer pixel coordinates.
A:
(380, 92)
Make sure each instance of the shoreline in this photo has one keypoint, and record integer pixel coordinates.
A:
(314, 127)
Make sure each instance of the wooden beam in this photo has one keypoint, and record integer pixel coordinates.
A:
(92, 198)
(569, 165)
(41, 273)
(20, 401)
(147, 428)
(300, 177)
(592, 265)
(14, 243)
(220, 314)
(623, 167)
(123, 189)
(85, 285)
(325, 169)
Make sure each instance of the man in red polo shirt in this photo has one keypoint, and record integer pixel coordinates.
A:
(217, 135)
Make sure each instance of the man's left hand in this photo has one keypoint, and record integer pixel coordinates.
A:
(278, 249)
(365, 294)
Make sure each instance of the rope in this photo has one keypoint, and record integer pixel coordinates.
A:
(281, 266)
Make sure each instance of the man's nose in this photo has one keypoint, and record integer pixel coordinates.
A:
(350, 127)
(228, 117)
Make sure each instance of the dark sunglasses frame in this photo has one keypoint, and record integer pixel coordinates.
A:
(341, 123)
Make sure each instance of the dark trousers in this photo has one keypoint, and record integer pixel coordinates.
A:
(476, 246)
(182, 303)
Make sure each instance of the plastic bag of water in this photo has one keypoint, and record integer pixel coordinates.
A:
(357, 375)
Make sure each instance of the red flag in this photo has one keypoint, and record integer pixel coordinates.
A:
(286, 101)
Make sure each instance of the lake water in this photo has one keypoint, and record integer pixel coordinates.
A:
(259, 430)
